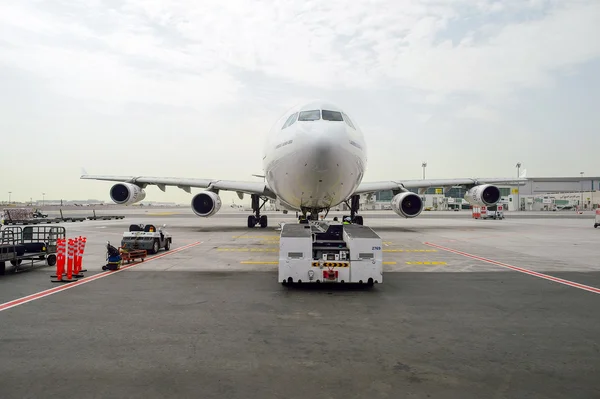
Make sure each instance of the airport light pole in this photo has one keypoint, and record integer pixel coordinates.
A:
(43, 198)
(424, 165)
(9, 193)
(518, 187)
(581, 203)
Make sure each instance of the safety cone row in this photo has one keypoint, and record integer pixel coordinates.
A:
(71, 256)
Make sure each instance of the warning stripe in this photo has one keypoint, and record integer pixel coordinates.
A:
(332, 264)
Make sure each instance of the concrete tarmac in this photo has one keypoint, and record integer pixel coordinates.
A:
(211, 320)
(228, 212)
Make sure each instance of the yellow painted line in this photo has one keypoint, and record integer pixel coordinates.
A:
(257, 262)
(410, 250)
(248, 249)
(426, 263)
(264, 237)
(252, 262)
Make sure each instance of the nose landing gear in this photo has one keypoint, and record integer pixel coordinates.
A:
(354, 207)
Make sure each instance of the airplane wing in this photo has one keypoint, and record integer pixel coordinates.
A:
(248, 187)
(424, 184)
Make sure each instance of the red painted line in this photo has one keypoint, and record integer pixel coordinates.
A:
(520, 269)
(66, 286)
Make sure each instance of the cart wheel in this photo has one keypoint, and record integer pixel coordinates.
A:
(16, 262)
(595, 226)
(103, 267)
(51, 260)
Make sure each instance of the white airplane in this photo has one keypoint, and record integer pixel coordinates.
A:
(314, 159)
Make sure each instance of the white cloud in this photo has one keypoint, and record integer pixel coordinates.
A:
(222, 72)
(323, 44)
(478, 112)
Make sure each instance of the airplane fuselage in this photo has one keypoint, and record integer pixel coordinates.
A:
(315, 157)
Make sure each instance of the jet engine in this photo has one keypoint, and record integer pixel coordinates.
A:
(126, 193)
(483, 195)
(206, 204)
(407, 204)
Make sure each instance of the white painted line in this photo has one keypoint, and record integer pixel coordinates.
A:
(66, 286)
(520, 269)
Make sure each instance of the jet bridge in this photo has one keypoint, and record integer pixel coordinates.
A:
(329, 252)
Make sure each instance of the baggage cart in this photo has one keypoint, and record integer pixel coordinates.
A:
(33, 244)
(132, 255)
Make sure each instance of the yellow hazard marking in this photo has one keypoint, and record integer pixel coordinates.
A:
(332, 264)
(389, 263)
(248, 249)
(426, 263)
(410, 250)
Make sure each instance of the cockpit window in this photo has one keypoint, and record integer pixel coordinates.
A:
(348, 121)
(309, 115)
(332, 116)
(290, 121)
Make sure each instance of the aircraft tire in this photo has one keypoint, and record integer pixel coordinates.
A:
(263, 221)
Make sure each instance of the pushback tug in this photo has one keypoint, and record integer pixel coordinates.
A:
(329, 252)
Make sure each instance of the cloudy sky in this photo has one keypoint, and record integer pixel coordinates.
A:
(188, 88)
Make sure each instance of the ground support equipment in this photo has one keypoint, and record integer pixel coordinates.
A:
(329, 252)
(30, 244)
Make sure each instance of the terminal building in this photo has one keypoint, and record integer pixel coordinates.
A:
(537, 194)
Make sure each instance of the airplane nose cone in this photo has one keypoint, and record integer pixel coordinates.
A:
(327, 144)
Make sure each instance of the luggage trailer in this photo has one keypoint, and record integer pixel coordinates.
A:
(34, 244)
(329, 252)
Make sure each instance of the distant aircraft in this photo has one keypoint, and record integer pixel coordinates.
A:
(314, 159)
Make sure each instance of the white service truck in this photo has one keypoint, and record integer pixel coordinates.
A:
(146, 237)
(329, 252)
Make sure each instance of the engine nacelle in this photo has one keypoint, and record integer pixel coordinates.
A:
(206, 204)
(126, 193)
(483, 195)
(407, 204)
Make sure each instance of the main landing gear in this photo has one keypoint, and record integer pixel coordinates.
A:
(257, 218)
